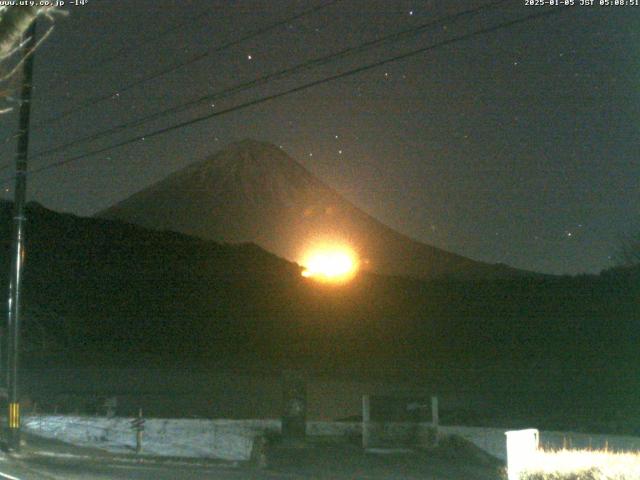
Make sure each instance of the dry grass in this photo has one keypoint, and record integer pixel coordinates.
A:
(583, 465)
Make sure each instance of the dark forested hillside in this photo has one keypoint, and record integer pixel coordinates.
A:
(108, 292)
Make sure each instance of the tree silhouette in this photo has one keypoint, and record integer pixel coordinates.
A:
(14, 22)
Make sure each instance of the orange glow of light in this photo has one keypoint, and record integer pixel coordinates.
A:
(331, 264)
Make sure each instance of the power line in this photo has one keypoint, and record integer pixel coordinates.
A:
(124, 51)
(269, 77)
(302, 87)
(176, 66)
(299, 88)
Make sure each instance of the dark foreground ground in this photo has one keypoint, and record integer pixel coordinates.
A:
(51, 460)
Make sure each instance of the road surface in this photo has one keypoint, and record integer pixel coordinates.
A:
(72, 469)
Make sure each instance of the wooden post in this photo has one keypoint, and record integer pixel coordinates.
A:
(366, 421)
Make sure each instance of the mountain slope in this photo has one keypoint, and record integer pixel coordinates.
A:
(255, 192)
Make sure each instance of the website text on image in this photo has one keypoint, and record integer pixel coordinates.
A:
(42, 3)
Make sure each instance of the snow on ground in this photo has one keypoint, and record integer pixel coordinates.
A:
(195, 438)
(233, 439)
(493, 440)
(220, 439)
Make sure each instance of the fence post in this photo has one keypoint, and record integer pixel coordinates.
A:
(366, 420)
(138, 425)
(435, 417)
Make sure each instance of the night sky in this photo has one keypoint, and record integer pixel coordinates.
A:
(518, 146)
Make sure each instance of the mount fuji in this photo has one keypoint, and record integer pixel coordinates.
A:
(254, 192)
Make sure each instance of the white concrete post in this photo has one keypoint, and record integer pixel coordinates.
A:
(435, 418)
(366, 420)
(521, 448)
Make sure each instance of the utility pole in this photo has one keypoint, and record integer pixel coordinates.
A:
(17, 249)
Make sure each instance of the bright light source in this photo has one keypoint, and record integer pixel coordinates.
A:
(332, 264)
